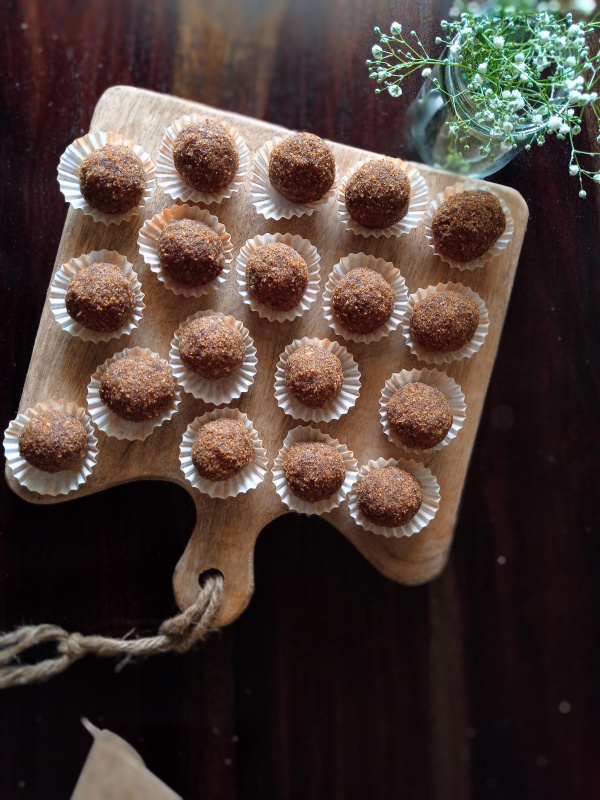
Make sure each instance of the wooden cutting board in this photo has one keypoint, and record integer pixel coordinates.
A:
(226, 530)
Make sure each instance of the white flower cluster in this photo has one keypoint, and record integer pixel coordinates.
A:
(526, 75)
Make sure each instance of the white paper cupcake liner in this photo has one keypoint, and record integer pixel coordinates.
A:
(310, 255)
(70, 165)
(60, 285)
(496, 248)
(336, 408)
(36, 480)
(173, 184)
(270, 203)
(419, 197)
(109, 422)
(148, 245)
(429, 506)
(469, 349)
(446, 385)
(249, 478)
(387, 271)
(221, 391)
(305, 433)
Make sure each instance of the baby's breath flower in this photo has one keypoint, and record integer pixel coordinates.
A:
(394, 90)
(498, 42)
(573, 169)
(377, 52)
(395, 29)
(583, 194)
(426, 72)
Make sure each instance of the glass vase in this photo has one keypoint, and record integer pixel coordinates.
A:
(431, 114)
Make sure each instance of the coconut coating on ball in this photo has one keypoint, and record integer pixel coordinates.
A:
(467, 224)
(378, 194)
(314, 471)
(390, 496)
(53, 441)
(314, 375)
(277, 276)
(137, 388)
(444, 321)
(302, 168)
(100, 297)
(112, 179)
(205, 155)
(419, 415)
(190, 252)
(221, 450)
(362, 301)
(211, 347)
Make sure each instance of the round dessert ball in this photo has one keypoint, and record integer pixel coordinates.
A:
(53, 441)
(378, 194)
(277, 276)
(362, 301)
(100, 298)
(389, 497)
(313, 471)
(419, 415)
(314, 375)
(137, 388)
(222, 449)
(190, 252)
(302, 168)
(205, 156)
(467, 224)
(211, 347)
(112, 179)
(444, 321)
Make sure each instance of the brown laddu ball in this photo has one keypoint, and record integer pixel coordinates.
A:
(191, 252)
(314, 470)
(378, 194)
(314, 375)
(444, 321)
(112, 179)
(53, 441)
(205, 155)
(467, 224)
(419, 415)
(222, 449)
(362, 300)
(302, 168)
(390, 496)
(137, 388)
(100, 297)
(277, 276)
(211, 347)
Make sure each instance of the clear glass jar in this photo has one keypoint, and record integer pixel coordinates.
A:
(439, 147)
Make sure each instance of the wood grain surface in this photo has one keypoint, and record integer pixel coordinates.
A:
(226, 531)
(335, 682)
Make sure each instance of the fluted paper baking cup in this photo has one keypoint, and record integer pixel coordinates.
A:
(439, 380)
(500, 245)
(306, 433)
(60, 286)
(249, 478)
(70, 165)
(387, 271)
(36, 480)
(173, 184)
(226, 389)
(469, 349)
(336, 408)
(148, 244)
(429, 506)
(310, 255)
(419, 196)
(270, 203)
(109, 422)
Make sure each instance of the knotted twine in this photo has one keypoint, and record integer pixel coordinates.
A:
(177, 635)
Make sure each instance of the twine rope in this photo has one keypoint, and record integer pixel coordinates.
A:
(177, 634)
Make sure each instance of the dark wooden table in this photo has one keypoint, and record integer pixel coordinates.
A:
(336, 683)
